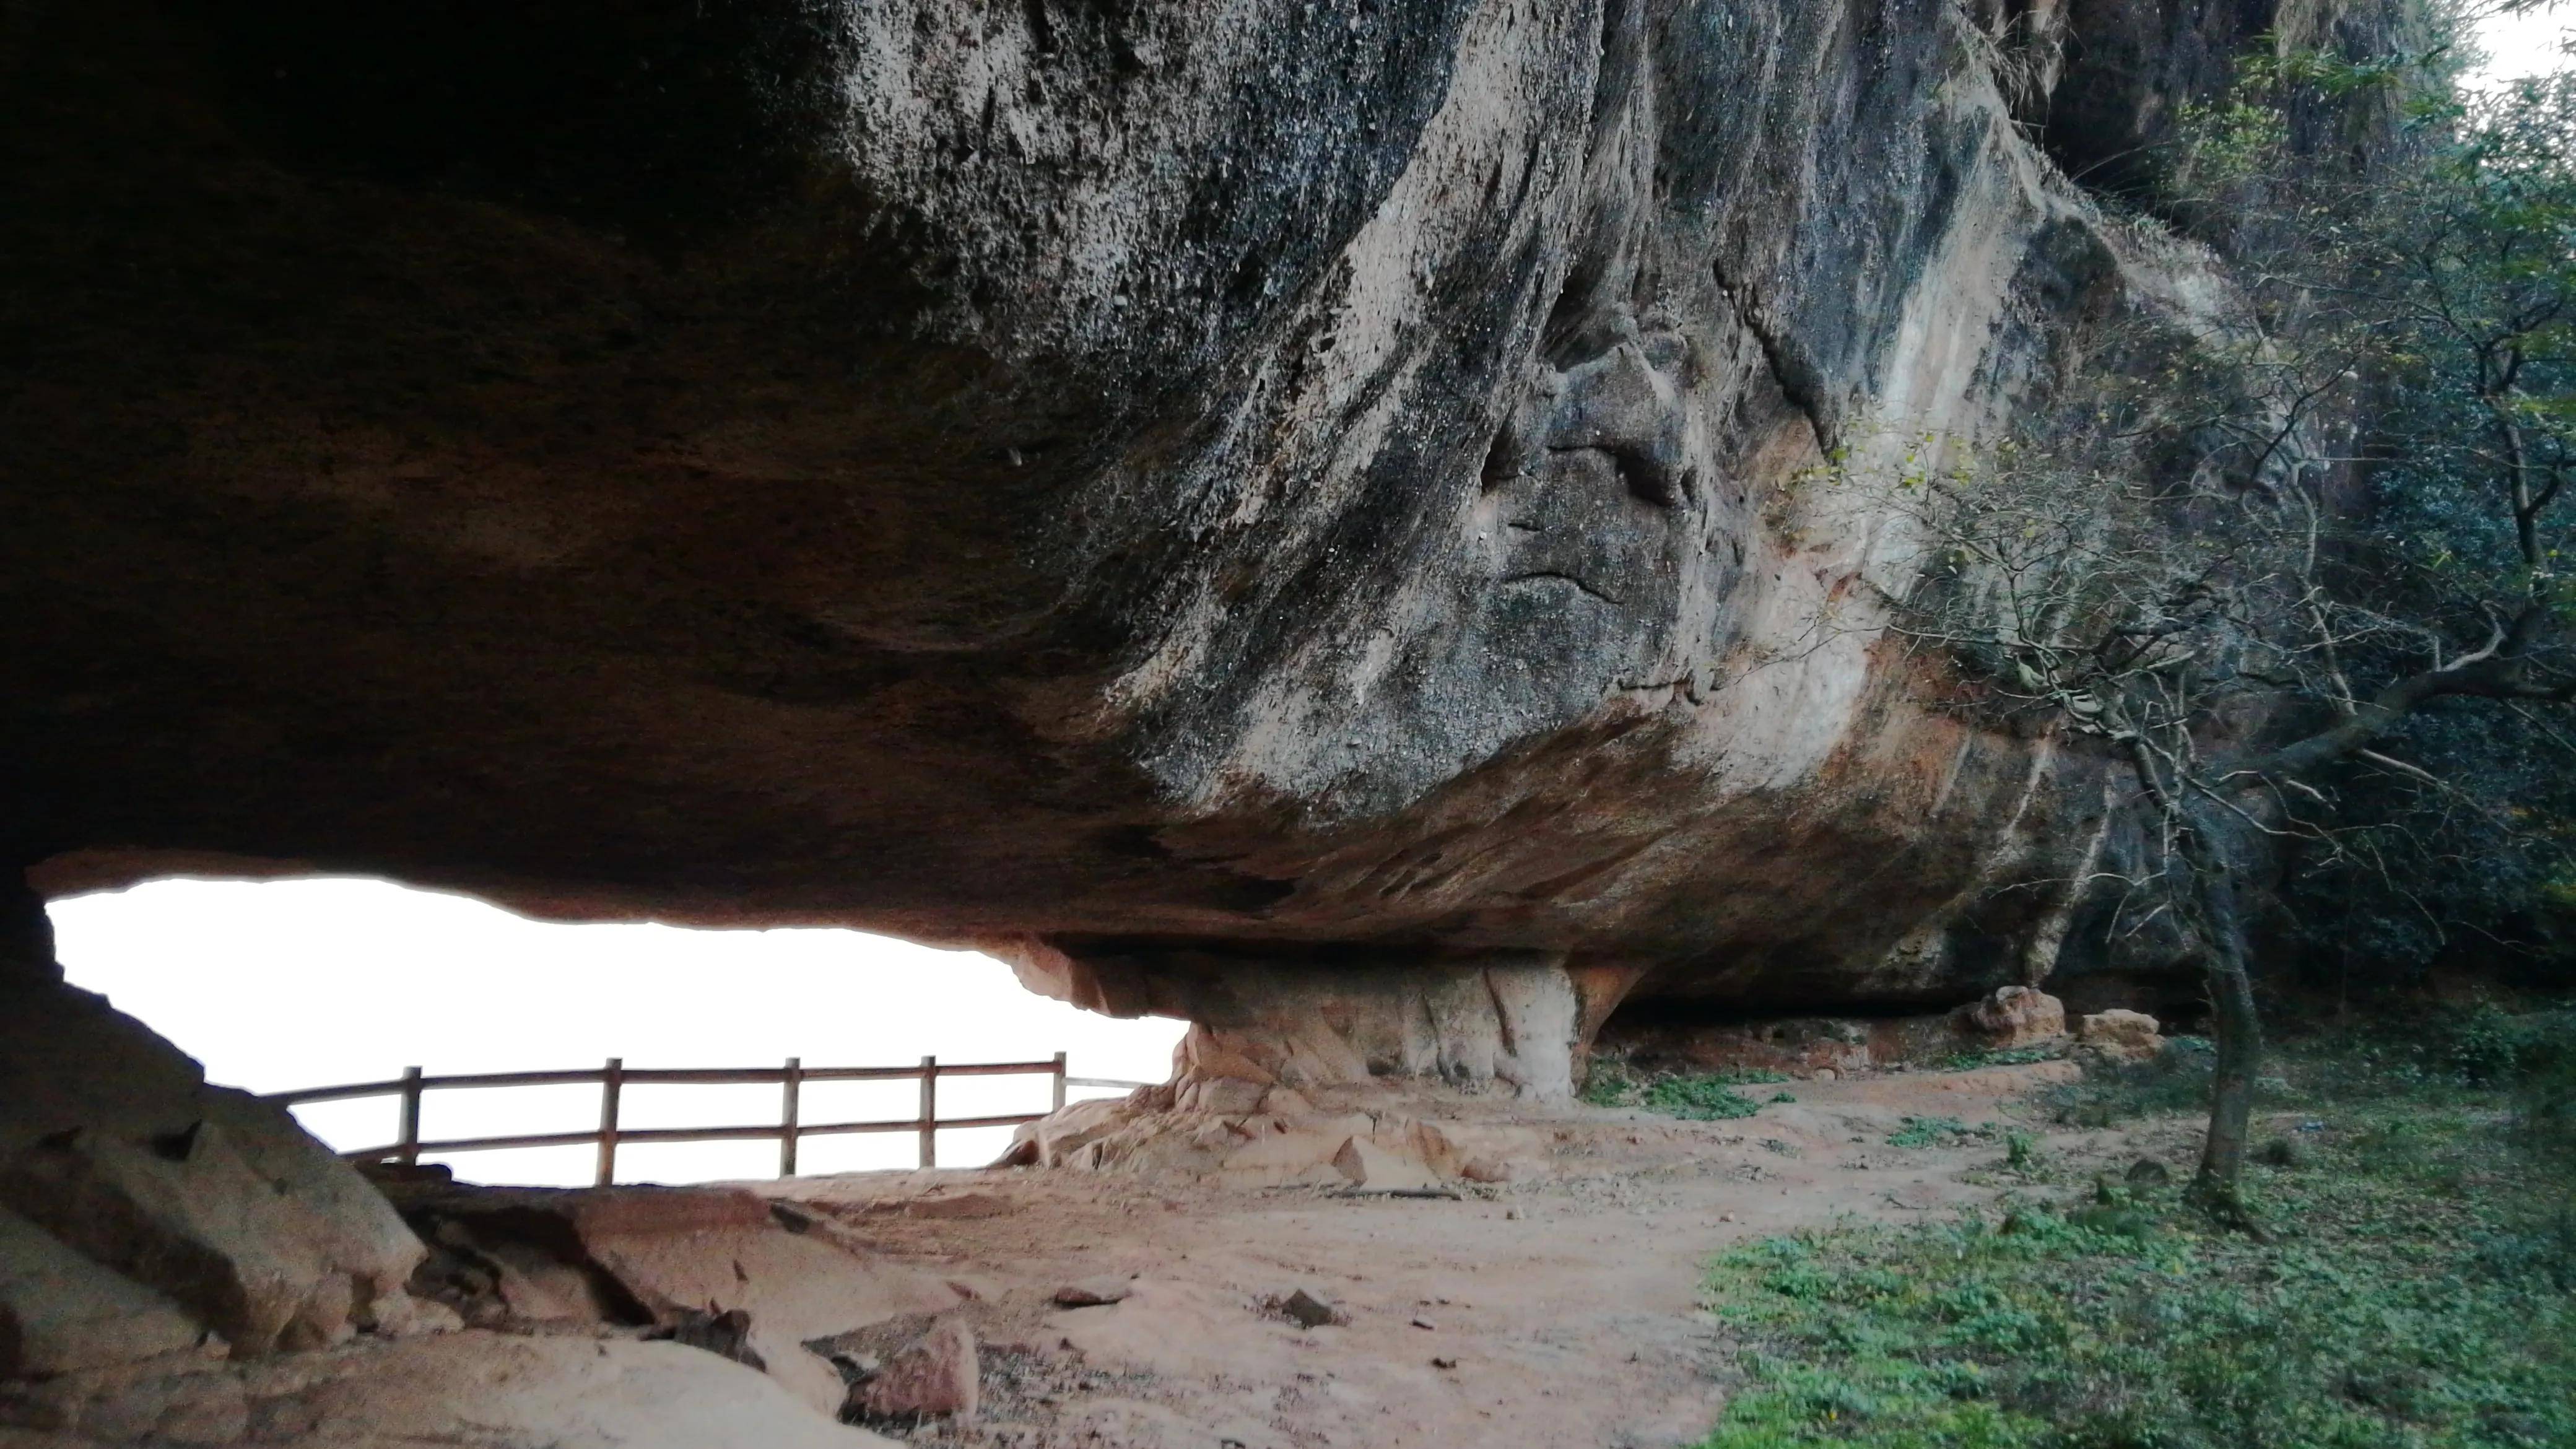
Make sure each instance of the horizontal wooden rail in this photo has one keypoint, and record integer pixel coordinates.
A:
(615, 1076)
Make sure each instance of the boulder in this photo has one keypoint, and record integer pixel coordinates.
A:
(63, 1313)
(2013, 1016)
(935, 1376)
(1308, 1308)
(494, 1391)
(112, 1142)
(1370, 1167)
(2120, 1036)
(717, 1268)
(1053, 1140)
(1480, 1151)
(1095, 1292)
(1256, 1151)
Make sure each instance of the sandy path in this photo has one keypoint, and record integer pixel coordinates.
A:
(1568, 1305)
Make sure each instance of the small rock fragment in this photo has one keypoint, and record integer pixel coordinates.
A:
(1309, 1309)
(726, 1335)
(935, 1376)
(1094, 1292)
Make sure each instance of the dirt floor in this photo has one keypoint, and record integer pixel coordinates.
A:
(1562, 1310)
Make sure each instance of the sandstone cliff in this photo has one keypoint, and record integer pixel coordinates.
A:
(1257, 509)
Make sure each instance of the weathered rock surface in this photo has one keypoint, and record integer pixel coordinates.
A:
(62, 1313)
(1098, 1291)
(2008, 1018)
(1371, 1168)
(498, 1391)
(113, 1147)
(2119, 1036)
(1363, 1139)
(936, 1376)
(167, 1247)
(2011, 1017)
(685, 1261)
(1309, 1309)
(1266, 489)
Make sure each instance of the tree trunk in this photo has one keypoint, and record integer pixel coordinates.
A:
(2237, 1026)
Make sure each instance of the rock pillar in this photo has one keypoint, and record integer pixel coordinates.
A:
(1509, 1021)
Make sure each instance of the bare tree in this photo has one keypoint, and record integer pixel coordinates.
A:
(2245, 541)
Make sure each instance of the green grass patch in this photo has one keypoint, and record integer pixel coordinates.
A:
(2016, 1057)
(1696, 1096)
(2416, 1288)
(1699, 1099)
(1937, 1132)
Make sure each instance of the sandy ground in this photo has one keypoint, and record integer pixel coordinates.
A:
(1558, 1311)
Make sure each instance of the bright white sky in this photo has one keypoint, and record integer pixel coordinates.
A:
(283, 984)
(2524, 44)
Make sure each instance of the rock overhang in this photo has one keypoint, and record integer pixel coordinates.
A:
(1280, 478)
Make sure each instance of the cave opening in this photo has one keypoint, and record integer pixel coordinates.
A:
(287, 985)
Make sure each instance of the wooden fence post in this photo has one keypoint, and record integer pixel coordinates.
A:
(930, 1111)
(407, 1151)
(610, 1080)
(1059, 1082)
(787, 1117)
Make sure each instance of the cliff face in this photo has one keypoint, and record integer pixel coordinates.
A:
(1149, 487)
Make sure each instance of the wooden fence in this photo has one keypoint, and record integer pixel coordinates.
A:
(616, 1075)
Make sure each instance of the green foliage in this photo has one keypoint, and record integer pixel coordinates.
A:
(2440, 280)
(1937, 1132)
(1694, 1096)
(1699, 1099)
(1610, 1082)
(2381, 1310)
(2007, 1057)
(2339, 493)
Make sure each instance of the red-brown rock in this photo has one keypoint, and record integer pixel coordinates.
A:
(936, 1376)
